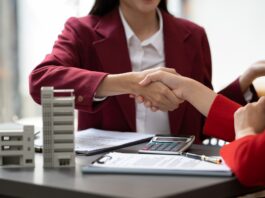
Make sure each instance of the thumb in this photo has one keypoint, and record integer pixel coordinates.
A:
(262, 102)
(146, 81)
(155, 76)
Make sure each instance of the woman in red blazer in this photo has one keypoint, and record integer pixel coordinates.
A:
(92, 56)
(244, 126)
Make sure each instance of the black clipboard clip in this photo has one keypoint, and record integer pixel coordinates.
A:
(103, 159)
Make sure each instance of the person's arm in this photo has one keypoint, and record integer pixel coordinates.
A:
(238, 89)
(250, 118)
(220, 120)
(256, 70)
(128, 83)
(245, 157)
(200, 96)
(65, 68)
(219, 109)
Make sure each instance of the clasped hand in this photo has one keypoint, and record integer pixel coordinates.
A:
(156, 95)
(163, 89)
(249, 120)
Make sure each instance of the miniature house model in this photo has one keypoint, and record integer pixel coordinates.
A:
(58, 127)
(17, 147)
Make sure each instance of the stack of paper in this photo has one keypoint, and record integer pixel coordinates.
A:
(92, 141)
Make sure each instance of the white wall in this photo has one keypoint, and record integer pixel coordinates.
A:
(174, 7)
(236, 31)
(40, 22)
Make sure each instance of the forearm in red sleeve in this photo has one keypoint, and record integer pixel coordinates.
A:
(84, 83)
(65, 68)
(220, 120)
(246, 159)
(233, 92)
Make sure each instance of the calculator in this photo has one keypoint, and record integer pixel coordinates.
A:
(168, 144)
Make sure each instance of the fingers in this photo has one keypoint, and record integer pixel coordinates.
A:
(132, 96)
(154, 73)
(161, 98)
(172, 102)
(154, 109)
(238, 112)
(261, 103)
(251, 116)
(138, 99)
(167, 69)
(146, 81)
(259, 63)
(257, 69)
(147, 104)
(262, 100)
(152, 77)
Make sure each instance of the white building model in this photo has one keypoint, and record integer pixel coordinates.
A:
(17, 147)
(58, 127)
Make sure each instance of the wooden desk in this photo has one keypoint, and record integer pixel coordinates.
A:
(69, 183)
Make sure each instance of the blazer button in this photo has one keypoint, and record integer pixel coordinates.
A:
(80, 98)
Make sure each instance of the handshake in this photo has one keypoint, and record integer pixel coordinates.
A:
(160, 89)
(164, 89)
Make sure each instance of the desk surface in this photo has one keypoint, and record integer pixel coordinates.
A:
(70, 182)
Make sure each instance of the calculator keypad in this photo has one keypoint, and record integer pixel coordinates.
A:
(165, 146)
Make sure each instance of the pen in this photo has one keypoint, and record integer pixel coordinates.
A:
(202, 157)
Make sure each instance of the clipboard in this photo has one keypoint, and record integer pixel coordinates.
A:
(143, 164)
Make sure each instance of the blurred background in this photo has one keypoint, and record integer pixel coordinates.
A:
(28, 29)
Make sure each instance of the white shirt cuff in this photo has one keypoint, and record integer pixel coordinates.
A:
(248, 95)
(98, 99)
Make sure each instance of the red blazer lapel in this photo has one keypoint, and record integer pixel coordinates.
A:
(177, 55)
(113, 54)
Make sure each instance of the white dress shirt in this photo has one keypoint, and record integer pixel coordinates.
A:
(145, 55)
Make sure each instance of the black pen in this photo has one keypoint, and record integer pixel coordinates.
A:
(202, 157)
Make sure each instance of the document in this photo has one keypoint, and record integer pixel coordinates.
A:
(155, 164)
(92, 141)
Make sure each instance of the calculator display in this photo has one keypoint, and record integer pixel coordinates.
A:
(170, 139)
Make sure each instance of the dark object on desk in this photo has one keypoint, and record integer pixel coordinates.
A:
(168, 145)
